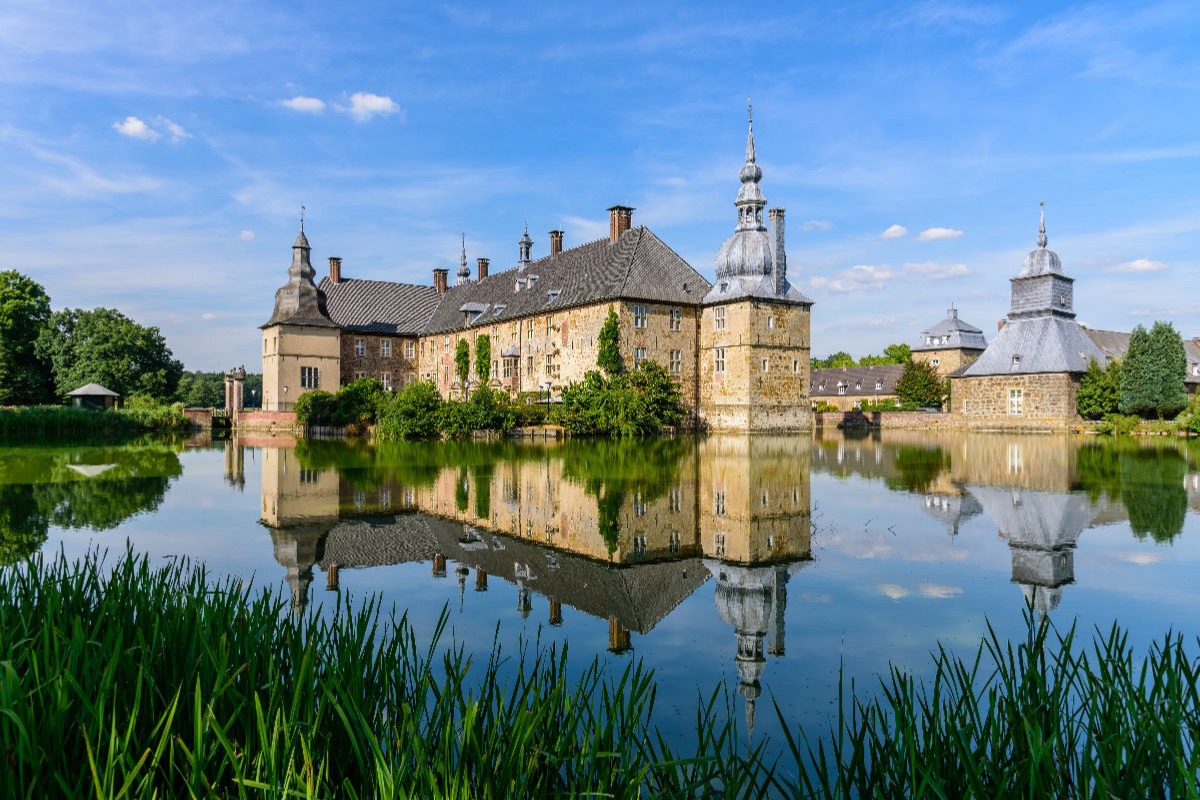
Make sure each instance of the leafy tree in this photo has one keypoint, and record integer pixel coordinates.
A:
(634, 404)
(24, 313)
(483, 358)
(608, 357)
(1099, 390)
(839, 359)
(462, 361)
(1153, 372)
(898, 353)
(108, 348)
(919, 386)
(413, 413)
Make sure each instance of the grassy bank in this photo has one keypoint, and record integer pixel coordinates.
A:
(64, 423)
(160, 682)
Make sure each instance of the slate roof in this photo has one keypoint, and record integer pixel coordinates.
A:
(92, 390)
(1114, 344)
(858, 380)
(1040, 344)
(960, 334)
(378, 306)
(638, 266)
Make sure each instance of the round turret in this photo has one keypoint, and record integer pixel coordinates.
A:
(1041, 261)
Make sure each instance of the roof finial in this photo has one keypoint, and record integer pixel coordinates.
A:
(302, 217)
(1042, 240)
(750, 136)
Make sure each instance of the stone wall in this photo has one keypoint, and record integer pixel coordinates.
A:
(849, 402)
(200, 417)
(765, 381)
(269, 422)
(909, 420)
(287, 348)
(948, 360)
(398, 368)
(1047, 401)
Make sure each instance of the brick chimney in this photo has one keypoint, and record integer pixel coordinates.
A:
(481, 268)
(620, 219)
(440, 277)
(1000, 325)
(556, 242)
(335, 269)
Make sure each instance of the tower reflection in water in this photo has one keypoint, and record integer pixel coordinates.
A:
(623, 532)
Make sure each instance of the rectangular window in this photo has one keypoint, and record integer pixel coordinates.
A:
(386, 379)
(1016, 401)
(529, 330)
(719, 359)
(719, 503)
(639, 355)
(549, 325)
(495, 369)
(359, 375)
(719, 544)
(676, 361)
(933, 362)
(770, 323)
(639, 504)
(529, 366)
(719, 319)
(639, 316)
(676, 500)
(516, 330)
(766, 365)
(360, 347)
(676, 319)
(385, 349)
(309, 378)
(795, 365)
(409, 349)
(549, 365)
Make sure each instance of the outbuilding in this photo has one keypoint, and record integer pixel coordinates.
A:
(94, 397)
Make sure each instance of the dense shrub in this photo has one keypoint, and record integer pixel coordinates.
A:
(487, 410)
(1119, 424)
(315, 408)
(65, 423)
(1099, 390)
(414, 413)
(638, 403)
(357, 405)
(1153, 373)
(920, 386)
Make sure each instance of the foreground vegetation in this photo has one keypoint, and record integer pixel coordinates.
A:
(145, 681)
(68, 424)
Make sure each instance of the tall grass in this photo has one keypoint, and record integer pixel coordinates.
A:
(65, 423)
(149, 682)
(140, 681)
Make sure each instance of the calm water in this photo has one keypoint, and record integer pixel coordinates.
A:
(764, 562)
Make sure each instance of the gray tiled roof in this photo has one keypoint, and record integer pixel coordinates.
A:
(960, 334)
(857, 380)
(638, 266)
(1114, 344)
(1040, 344)
(378, 306)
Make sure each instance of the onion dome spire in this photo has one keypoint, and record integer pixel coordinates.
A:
(1041, 261)
(464, 272)
(748, 252)
(1042, 241)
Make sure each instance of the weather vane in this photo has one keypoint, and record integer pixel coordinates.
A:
(750, 109)
(302, 217)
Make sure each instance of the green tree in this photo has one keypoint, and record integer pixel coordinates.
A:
(1153, 373)
(483, 358)
(24, 313)
(898, 353)
(608, 357)
(462, 361)
(1099, 390)
(920, 386)
(839, 359)
(413, 414)
(108, 348)
(639, 403)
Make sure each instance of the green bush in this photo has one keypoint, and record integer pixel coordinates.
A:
(1099, 390)
(921, 387)
(315, 408)
(529, 414)
(1119, 424)
(487, 410)
(638, 403)
(356, 405)
(414, 413)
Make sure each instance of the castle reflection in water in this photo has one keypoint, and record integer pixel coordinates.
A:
(625, 533)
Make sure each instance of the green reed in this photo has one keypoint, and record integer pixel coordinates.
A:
(134, 681)
(66, 423)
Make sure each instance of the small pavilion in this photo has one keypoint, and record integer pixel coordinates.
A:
(94, 397)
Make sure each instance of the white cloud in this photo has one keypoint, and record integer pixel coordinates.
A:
(208, 315)
(585, 230)
(364, 105)
(134, 128)
(931, 269)
(894, 232)
(854, 279)
(939, 592)
(930, 234)
(178, 134)
(246, 236)
(307, 105)
(893, 591)
(1142, 559)
(816, 225)
(1138, 265)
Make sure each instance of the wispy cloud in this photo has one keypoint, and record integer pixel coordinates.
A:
(176, 132)
(894, 232)
(364, 105)
(1138, 265)
(894, 591)
(932, 234)
(816, 225)
(859, 278)
(585, 230)
(246, 236)
(135, 128)
(306, 105)
(939, 592)
(933, 270)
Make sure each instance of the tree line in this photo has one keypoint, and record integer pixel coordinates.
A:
(1149, 382)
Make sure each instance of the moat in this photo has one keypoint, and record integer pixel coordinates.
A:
(764, 562)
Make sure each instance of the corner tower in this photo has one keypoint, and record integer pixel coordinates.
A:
(754, 326)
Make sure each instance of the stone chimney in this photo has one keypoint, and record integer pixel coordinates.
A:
(620, 219)
(556, 242)
(481, 268)
(335, 269)
(1000, 325)
(440, 276)
(779, 253)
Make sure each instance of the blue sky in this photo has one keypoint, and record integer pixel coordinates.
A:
(154, 156)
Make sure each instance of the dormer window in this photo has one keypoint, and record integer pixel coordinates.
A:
(858, 385)
(841, 387)
(520, 284)
(552, 296)
(878, 386)
(532, 279)
(821, 387)
(724, 287)
(499, 310)
(1016, 362)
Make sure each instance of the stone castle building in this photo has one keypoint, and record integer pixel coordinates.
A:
(949, 344)
(738, 349)
(1029, 375)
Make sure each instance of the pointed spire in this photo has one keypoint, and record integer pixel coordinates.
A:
(464, 272)
(750, 155)
(1042, 240)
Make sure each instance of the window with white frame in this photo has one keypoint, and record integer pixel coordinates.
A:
(639, 355)
(529, 366)
(385, 348)
(878, 386)
(529, 329)
(676, 319)
(841, 387)
(309, 378)
(676, 361)
(1016, 401)
(766, 365)
(409, 350)
(639, 316)
(360, 347)
(719, 359)
(770, 323)
(719, 319)
(386, 379)
(933, 362)
(549, 324)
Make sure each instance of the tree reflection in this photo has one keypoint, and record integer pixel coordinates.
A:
(1147, 481)
(918, 468)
